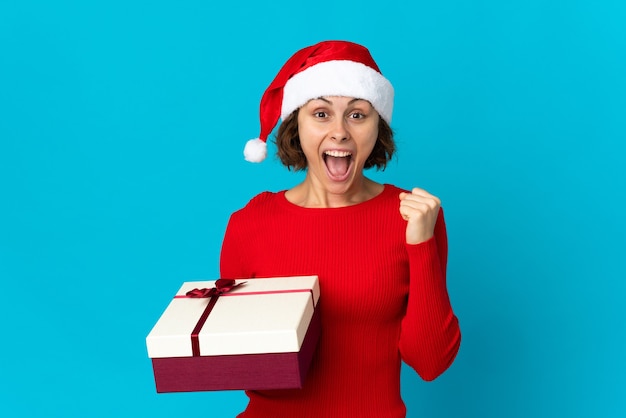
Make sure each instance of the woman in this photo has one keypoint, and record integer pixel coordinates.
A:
(380, 252)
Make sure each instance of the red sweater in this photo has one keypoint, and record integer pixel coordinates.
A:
(382, 300)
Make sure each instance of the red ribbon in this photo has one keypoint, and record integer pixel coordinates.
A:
(221, 286)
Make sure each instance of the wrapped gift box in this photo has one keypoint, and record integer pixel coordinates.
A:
(261, 334)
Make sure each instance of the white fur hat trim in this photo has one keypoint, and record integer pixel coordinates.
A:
(339, 78)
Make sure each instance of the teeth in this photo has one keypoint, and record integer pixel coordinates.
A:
(334, 153)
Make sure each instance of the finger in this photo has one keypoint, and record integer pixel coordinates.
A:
(404, 210)
(416, 206)
(415, 212)
(416, 191)
(418, 203)
(423, 193)
(413, 200)
(420, 192)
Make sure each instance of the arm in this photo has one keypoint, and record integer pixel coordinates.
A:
(231, 260)
(430, 335)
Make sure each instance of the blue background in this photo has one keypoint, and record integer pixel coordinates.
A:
(122, 126)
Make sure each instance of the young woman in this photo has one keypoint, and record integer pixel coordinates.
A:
(380, 252)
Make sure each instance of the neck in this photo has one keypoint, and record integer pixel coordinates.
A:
(311, 194)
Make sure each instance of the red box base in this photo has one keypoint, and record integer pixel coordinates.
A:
(236, 372)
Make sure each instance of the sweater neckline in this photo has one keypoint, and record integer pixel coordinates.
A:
(387, 189)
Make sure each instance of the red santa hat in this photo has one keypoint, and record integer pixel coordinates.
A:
(329, 68)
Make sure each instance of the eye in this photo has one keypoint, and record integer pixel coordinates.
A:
(356, 115)
(320, 114)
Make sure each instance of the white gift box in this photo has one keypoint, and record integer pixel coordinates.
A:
(260, 334)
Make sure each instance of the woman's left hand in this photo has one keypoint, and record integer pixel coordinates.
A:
(420, 209)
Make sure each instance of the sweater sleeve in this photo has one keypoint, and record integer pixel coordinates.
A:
(231, 256)
(430, 335)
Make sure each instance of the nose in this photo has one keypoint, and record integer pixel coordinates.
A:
(339, 131)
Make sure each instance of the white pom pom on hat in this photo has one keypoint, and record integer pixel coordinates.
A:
(255, 150)
(329, 68)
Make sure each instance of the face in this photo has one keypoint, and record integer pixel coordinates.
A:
(337, 135)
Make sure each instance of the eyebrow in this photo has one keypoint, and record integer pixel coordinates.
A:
(356, 99)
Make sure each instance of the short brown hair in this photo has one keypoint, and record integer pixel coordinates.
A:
(291, 154)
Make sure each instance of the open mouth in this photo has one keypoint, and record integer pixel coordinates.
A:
(337, 163)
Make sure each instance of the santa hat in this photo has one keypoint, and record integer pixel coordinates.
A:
(329, 68)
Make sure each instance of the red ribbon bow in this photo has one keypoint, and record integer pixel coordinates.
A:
(221, 286)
